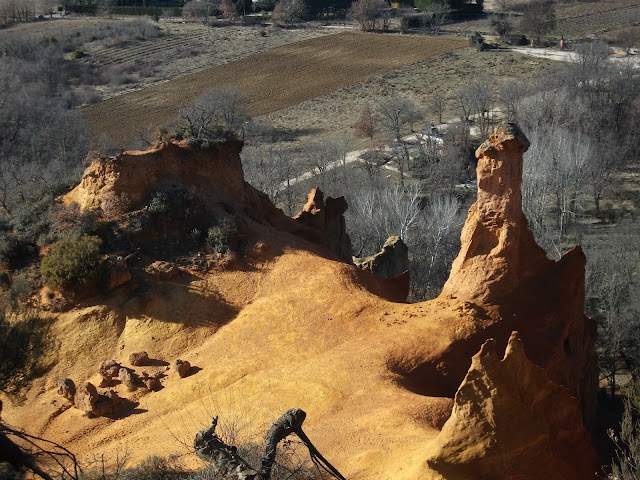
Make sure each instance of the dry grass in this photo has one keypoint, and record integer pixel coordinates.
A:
(333, 115)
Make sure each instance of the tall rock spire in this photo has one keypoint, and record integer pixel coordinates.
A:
(498, 251)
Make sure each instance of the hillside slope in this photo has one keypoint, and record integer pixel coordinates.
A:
(290, 325)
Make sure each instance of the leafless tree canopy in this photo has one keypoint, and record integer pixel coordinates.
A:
(370, 14)
(538, 18)
(215, 114)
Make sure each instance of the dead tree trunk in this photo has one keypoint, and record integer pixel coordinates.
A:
(227, 462)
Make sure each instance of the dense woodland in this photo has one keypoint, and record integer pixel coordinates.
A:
(580, 179)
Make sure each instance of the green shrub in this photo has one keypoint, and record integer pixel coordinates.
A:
(72, 262)
(77, 53)
(220, 238)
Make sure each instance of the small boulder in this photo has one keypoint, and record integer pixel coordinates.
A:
(85, 397)
(162, 270)
(390, 262)
(96, 404)
(152, 383)
(138, 359)
(127, 378)
(181, 367)
(109, 369)
(66, 388)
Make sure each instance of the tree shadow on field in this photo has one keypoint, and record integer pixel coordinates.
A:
(292, 134)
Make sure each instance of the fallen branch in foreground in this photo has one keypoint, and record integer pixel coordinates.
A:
(227, 462)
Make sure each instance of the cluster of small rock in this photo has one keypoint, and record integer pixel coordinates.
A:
(87, 398)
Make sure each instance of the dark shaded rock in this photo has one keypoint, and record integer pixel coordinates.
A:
(66, 388)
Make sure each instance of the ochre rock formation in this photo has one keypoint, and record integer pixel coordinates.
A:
(498, 251)
(325, 221)
(500, 267)
(213, 174)
(294, 327)
(392, 260)
(510, 421)
(213, 178)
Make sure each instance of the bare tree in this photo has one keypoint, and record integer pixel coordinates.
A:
(395, 115)
(366, 124)
(368, 13)
(502, 25)
(437, 105)
(200, 10)
(538, 18)
(510, 95)
(628, 39)
(612, 299)
(626, 464)
(217, 112)
(228, 10)
(479, 96)
(432, 252)
(289, 11)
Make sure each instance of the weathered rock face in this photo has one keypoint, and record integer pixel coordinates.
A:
(212, 182)
(109, 369)
(117, 272)
(127, 378)
(325, 223)
(510, 421)
(162, 270)
(391, 261)
(501, 267)
(137, 174)
(498, 252)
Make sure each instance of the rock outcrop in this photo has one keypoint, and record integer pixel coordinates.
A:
(211, 181)
(391, 261)
(127, 378)
(162, 270)
(510, 421)
(117, 272)
(325, 223)
(498, 252)
(501, 268)
(214, 174)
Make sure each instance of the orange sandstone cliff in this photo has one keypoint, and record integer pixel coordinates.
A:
(387, 386)
(510, 421)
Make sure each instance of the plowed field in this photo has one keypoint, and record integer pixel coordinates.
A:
(271, 80)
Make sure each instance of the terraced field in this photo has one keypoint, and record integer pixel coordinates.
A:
(596, 19)
(575, 20)
(271, 80)
(185, 49)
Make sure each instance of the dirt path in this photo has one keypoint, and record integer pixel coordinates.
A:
(567, 56)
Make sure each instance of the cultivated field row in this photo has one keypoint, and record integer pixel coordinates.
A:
(271, 80)
(188, 48)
